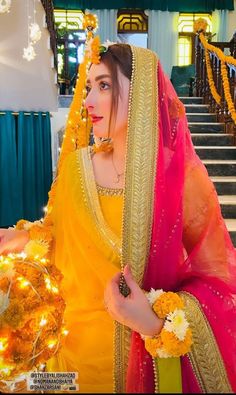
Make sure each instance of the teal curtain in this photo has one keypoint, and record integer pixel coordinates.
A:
(162, 5)
(25, 164)
(10, 204)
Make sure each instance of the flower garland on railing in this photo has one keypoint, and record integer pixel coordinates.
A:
(214, 92)
(231, 108)
(224, 60)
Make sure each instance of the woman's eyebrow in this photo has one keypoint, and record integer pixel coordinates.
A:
(100, 77)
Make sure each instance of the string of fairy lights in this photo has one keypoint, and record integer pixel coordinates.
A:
(33, 30)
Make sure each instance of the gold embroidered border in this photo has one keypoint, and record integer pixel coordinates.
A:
(205, 356)
(142, 148)
(90, 190)
(104, 191)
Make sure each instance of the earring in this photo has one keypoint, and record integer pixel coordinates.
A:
(102, 144)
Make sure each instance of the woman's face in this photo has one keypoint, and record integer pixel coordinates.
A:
(99, 101)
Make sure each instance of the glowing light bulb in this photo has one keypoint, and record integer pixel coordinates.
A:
(52, 343)
(64, 332)
(3, 344)
(23, 282)
(43, 321)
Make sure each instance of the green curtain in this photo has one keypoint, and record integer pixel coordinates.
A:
(162, 5)
(25, 164)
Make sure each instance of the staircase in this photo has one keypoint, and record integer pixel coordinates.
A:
(216, 150)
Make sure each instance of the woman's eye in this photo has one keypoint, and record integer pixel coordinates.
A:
(88, 89)
(104, 85)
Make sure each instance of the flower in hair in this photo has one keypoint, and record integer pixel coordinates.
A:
(104, 46)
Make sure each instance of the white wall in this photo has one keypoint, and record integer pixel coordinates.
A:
(232, 22)
(24, 85)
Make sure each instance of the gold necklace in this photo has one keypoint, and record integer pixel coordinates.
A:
(118, 175)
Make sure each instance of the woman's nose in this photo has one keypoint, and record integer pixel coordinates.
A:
(90, 100)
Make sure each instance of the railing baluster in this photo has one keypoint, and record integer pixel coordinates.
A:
(202, 84)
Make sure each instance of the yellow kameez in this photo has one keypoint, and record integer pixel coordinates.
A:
(87, 261)
(87, 264)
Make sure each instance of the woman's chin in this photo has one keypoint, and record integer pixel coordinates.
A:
(99, 133)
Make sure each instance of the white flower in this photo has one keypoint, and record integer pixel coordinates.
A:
(35, 32)
(4, 301)
(176, 322)
(153, 295)
(107, 44)
(29, 52)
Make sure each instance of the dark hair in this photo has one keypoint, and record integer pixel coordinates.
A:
(117, 56)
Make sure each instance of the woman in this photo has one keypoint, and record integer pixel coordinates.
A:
(147, 201)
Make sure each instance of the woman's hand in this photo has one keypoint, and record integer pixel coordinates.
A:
(134, 310)
(13, 240)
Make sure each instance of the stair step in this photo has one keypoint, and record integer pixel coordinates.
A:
(224, 185)
(216, 152)
(231, 226)
(217, 139)
(220, 167)
(190, 100)
(196, 108)
(228, 206)
(206, 127)
(201, 117)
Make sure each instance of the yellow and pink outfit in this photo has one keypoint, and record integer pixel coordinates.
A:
(167, 223)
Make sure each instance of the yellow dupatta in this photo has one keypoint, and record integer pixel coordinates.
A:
(87, 251)
(83, 235)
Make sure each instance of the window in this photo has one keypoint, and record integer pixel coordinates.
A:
(186, 40)
(70, 44)
(132, 27)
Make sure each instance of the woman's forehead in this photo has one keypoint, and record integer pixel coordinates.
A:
(97, 70)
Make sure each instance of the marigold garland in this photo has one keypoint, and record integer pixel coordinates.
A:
(175, 338)
(166, 303)
(200, 25)
(31, 314)
(224, 60)
(40, 237)
(231, 108)
(211, 82)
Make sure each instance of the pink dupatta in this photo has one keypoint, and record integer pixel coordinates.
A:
(191, 249)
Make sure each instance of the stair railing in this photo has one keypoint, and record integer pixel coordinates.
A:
(216, 79)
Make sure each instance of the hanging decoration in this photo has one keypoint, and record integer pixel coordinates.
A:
(5, 6)
(35, 32)
(29, 53)
(34, 35)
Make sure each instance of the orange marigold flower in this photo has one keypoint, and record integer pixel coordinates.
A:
(95, 50)
(38, 232)
(90, 21)
(166, 303)
(20, 224)
(152, 344)
(173, 345)
(199, 25)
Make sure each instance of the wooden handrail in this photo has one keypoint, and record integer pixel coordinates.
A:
(202, 87)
